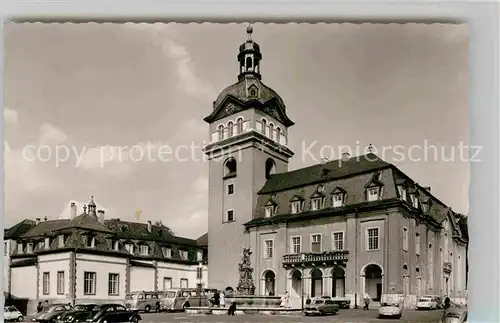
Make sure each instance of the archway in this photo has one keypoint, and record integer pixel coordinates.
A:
(230, 167)
(338, 282)
(296, 283)
(269, 282)
(270, 167)
(373, 281)
(316, 283)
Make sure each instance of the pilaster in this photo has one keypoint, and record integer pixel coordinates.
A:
(155, 264)
(327, 283)
(72, 277)
(351, 270)
(37, 281)
(127, 277)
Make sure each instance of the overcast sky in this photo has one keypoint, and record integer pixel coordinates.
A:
(91, 85)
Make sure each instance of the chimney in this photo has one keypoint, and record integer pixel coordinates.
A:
(150, 226)
(101, 216)
(37, 221)
(72, 214)
(324, 161)
(346, 156)
(427, 188)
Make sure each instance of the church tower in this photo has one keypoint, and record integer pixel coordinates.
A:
(248, 142)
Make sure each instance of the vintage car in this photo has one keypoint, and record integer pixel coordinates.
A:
(80, 313)
(321, 306)
(427, 303)
(11, 313)
(51, 313)
(455, 315)
(390, 309)
(342, 302)
(113, 313)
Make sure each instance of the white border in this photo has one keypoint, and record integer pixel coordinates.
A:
(483, 79)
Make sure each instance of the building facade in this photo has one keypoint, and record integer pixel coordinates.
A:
(88, 258)
(340, 228)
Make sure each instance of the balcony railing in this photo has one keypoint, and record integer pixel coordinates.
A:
(244, 126)
(447, 267)
(341, 256)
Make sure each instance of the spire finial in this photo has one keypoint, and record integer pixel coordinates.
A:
(370, 148)
(249, 31)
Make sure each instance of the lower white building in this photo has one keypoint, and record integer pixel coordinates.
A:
(87, 258)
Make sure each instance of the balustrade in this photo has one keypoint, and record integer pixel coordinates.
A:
(244, 126)
(326, 257)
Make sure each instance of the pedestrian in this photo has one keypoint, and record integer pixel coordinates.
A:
(232, 308)
(39, 307)
(367, 300)
(217, 298)
(222, 299)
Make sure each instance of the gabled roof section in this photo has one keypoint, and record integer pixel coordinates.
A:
(203, 240)
(45, 228)
(314, 174)
(19, 229)
(374, 182)
(316, 194)
(338, 190)
(296, 198)
(86, 222)
(271, 201)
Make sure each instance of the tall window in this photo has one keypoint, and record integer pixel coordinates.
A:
(199, 273)
(46, 283)
(417, 244)
(184, 254)
(230, 189)
(199, 256)
(220, 131)
(229, 215)
(270, 211)
(296, 244)
(239, 125)
(144, 250)
(130, 248)
(338, 241)
(373, 194)
(90, 242)
(271, 131)
(167, 283)
(167, 252)
(268, 248)
(338, 200)
(184, 283)
(89, 280)
(402, 192)
(61, 241)
(278, 134)
(20, 248)
(316, 243)
(316, 203)
(296, 206)
(5, 247)
(405, 239)
(29, 248)
(430, 261)
(372, 239)
(115, 245)
(414, 200)
(46, 245)
(60, 282)
(113, 280)
(230, 128)
(264, 126)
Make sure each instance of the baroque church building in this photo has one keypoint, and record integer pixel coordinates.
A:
(340, 228)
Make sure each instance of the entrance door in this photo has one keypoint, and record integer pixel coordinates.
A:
(379, 292)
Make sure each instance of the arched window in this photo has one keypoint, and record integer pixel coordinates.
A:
(271, 131)
(230, 129)
(264, 126)
(278, 134)
(220, 130)
(270, 167)
(239, 125)
(230, 167)
(249, 63)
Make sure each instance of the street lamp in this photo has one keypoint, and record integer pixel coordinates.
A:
(200, 272)
(302, 258)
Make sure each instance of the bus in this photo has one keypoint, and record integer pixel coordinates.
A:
(142, 301)
(178, 299)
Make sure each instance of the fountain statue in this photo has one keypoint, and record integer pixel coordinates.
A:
(245, 283)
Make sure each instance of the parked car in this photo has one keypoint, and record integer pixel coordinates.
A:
(427, 303)
(393, 309)
(11, 313)
(342, 302)
(455, 315)
(50, 313)
(80, 313)
(113, 313)
(321, 306)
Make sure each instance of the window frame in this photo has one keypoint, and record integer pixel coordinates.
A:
(46, 283)
(117, 284)
(228, 190)
(144, 250)
(367, 239)
(168, 279)
(336, 203)
(319, 201)
(60, 283)
(270, 210)
(320, 242)
(226, 216)
(266, 249)
(292, 245)
(334, 247)
(418, 243)
(405, 238)
(93, 286)
(377, 195)
(296, 207)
